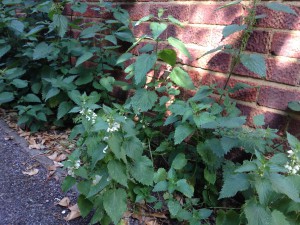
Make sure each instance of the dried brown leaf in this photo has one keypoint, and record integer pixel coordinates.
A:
(53, 156)
(60, 158)
(73, 214)
(65, 202)
(31, 172)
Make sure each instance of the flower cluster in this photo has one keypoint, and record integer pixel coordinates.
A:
(113, 126)
(294, 165)
(89, 114)
(72, 168)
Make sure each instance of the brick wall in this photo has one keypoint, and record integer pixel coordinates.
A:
(276, 37)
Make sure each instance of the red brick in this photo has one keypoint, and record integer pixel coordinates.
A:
(294, 127)
(137, 11)
(272, 120)
(259, 41)
(279, 20)
(277, 98)
(283, 71)
(180, 12)
(242, 70)
(206, 14)
(286, 44)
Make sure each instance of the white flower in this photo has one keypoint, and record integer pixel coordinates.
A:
(97, 179)
(77, 164)
(290, 152)
(105, 138)
(113, 127)
(104, 150)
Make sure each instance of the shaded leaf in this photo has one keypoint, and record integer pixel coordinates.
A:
(181, 78)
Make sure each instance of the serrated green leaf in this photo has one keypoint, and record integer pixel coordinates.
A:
(51, 93)
(142, 171)
(161, 186)
(248, 166)
(181, 78)
(124, 57)
(179, 161)
(143, 64)
(182, 132)
(160, 175)
(133, 147)
(255, 63)
(157, 29)
(6, 97)
(4, 49)
(63, 109)
(174, 207)
(117, 172)
(107, 83)
(85, 206)
(68, 183)
(259, 120)
(293, 141)
(17, 25)
(84, 79)
(42, 50)
(264, 190)
(278, 218)
(230, 29)
(215, 145)
(83, 58)
(18, 83)
(229, 217)
(179, 45)
(233, 184)
(115, 203)
(35, 30)
(60, 22)
(280, 7)
(32, 98)
(228, 143)
(114, 144)
(143, 100)
(257, 214)
(185, 188)
(168, 56)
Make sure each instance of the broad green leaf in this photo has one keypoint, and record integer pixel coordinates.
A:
(168, 56)
(133, 147)
(84, 79)
(248, 166)
(293, 141)
(6, 97)
(174, 207)
(125, 35)
(295, 106)
(179, 45)
(161, 186)
(179, 161)
(257, 214)
(175, 21)
(107, 83)
(278, 218)
(229, 217)
(228, 143)
(117, 171)
(144, 19)
(42, 50)
(68, 183)
(17, 26)
(51, 93)
(80, 7)
(259, 120)
(233, 184)
(185, 188)
(60, 22)
(115, 203)
(20, 83)
(280, 7)
(14, 73)
(157, 29)
(11, 2)
(181, 78)
(182, 132)
(216, 147)
(142, 171)
(210, 176)
(264, 190)
(230, 29)
(114, 144)
(143, 100)
(32, 98)
(4, 49)
(124, 57)
(91, 31)
(112, 39)
(123, 17)
(160, 175)
(35, 30)
(147, 48)
(85, 206)
(83, 58)
(143, 64)
(63, 109)
(255, 63)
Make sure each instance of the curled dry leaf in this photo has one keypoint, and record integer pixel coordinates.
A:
(65, 202)
(60, 158)
(73, 214)
(31, 172)
(53, 156)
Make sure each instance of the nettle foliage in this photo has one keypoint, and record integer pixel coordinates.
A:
(193, 157)
(36, 51)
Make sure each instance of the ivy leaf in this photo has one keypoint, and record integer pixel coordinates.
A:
(63, 109)
(144, 63)
(179, 45)
(185, 188)
(179, 161)
(117, 171)
(84, 205)
(280, 7)
(115, 203)
(233, 184)
(42, 50)
(181, 78)
(142, 171)
(4, 49)
(168, 56)
(259, 120)
(278, 218)
(6, 97)
(182, 132)
(143, 100)
(157, 29)
(83, 58)
(257, 214)
(230, 29)
(255, 63)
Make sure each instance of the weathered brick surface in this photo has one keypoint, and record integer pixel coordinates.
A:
(276, 37)
(294, 127)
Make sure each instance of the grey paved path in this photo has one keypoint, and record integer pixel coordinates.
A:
(27, 200)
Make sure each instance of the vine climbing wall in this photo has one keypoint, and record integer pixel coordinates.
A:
(276, 37)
